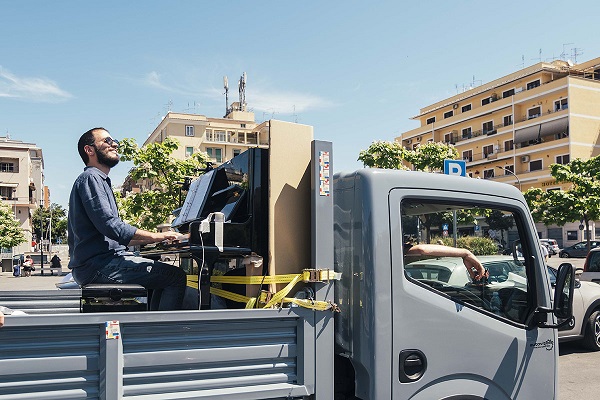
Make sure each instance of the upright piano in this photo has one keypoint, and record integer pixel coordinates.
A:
(225, 213)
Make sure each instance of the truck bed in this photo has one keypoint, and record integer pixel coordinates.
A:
(215, 354)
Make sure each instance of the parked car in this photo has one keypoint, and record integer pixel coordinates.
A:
(507, 276)
(585, 327)
(551, 245)
(452, 271)
(591, 267)
(578, 249)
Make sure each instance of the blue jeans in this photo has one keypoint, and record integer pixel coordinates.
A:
(166, 281)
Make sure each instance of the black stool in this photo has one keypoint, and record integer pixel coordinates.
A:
(112, 297)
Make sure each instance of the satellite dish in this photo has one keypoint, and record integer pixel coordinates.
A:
(225, 83)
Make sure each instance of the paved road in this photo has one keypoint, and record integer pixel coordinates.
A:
(579, 375)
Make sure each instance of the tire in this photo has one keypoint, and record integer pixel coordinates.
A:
(591, 338)
(564, 255)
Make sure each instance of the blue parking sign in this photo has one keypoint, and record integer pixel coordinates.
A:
(455, 167)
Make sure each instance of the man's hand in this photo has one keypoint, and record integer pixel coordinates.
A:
(474, 267)
(172, 237)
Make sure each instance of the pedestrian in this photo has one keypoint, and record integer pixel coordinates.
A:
(98, 237)
(55, 261)
(545, 252)
(28, 266)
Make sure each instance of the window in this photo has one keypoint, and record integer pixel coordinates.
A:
(6, 192)
(508, 145)
(219, 136)
(485, 101)
(236, 152)
(534, 112)
(242, 125)
(561, 104)
(533, 85)
(594, 262)
(466, 133)
(488, 173)
(488, 127)
(535, 165)
(508, 169)
(448, 114)
(430, 120)
(189, 130)
(467, 155)
(189, 151)
(7, 167)
(466, 108)
(508, 93)
(508, 120)
(564, 159)
(215, 153)
(447, 138)
(447, 276)
(487, 150)
(572, 235)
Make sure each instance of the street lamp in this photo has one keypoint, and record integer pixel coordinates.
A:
(512, 173)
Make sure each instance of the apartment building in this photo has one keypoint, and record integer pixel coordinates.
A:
(513, 128)
(21, 177)
(221, 138)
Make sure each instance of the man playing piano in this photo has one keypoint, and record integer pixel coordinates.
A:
(98, 237)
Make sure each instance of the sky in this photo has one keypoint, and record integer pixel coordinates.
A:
(356, 71)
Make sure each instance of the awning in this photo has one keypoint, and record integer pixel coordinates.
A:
(9, 184)
(541, 130)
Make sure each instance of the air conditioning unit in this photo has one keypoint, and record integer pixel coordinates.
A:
(524, 159)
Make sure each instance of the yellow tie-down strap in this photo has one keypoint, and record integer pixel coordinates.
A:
(307, 275)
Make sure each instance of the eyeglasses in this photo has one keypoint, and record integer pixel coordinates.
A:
(110, 141)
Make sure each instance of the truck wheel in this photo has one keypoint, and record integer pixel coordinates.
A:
(591, 339)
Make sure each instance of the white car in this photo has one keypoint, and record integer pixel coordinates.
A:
(551, 245)
(450, 276)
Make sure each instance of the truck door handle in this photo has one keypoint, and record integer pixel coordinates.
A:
(412, 365)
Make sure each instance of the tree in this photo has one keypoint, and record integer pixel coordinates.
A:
(430, 156)
(11, 234)
(382, 154)
(155, 165)
(391, 155)
(579, 203)
(499, 221)
(58, 215)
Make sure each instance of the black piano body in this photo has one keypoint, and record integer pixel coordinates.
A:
(239, 190)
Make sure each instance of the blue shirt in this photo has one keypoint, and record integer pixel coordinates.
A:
(96, 232)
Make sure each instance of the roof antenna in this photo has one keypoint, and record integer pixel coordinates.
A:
(226, 86)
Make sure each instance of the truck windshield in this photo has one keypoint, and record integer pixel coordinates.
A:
(431, 233)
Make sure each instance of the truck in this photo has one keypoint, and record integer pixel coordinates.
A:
(388, 332)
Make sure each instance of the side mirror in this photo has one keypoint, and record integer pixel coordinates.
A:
(563, 292)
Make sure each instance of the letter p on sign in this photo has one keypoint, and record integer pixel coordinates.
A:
(455, 167)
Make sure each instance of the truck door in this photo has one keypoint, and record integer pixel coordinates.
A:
(454, 338)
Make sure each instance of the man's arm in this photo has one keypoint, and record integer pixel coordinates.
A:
(473, 265)
(144, 237)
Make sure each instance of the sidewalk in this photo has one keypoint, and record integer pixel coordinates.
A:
(34, 282)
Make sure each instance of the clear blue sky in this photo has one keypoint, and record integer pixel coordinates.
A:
(356, 71)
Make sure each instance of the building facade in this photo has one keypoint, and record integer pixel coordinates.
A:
(513, 128)
(21, 177)
(221, 138)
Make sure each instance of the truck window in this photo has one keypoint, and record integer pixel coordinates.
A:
(493, 235)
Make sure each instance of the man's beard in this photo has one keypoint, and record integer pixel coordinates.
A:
(106, 160)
